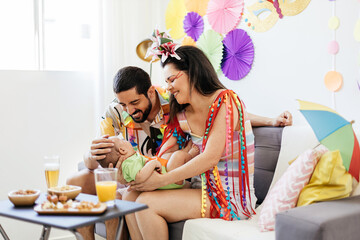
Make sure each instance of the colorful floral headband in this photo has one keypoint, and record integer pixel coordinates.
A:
(162, 46)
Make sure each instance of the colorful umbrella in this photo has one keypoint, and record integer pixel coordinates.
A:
(224, 15)
(193, 25)
(174, 17)
(238, 54)
(198, 6)
(334, 132)
(210, 42)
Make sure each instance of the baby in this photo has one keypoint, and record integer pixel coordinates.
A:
(139, 167)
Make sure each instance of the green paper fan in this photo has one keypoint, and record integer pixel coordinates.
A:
(210, 42)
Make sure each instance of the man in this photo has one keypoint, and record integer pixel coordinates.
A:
(138, 114)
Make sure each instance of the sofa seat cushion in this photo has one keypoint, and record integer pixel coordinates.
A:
(332, 220)
(206, 228)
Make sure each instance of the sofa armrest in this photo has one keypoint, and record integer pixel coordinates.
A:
(338, 219)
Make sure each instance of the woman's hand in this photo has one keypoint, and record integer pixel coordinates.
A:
(284, 119)
(153, 182)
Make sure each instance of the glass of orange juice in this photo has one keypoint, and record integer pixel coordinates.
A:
(105, 180)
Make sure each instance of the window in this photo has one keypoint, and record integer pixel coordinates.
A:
(49, 35)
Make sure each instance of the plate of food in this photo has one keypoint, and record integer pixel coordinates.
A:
(69, 191)
(62, 205)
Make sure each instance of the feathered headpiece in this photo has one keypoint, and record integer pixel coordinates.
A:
(162, 46)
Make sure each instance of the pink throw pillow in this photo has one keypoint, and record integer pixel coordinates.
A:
(285, 193)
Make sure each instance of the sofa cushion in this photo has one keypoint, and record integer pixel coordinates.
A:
(331, 220)
(267, 148)
(206, 228)
(286, 191)
(329, 181)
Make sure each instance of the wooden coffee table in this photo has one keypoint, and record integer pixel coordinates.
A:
(68, 222)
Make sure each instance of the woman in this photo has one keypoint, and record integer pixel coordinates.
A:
(215, 120)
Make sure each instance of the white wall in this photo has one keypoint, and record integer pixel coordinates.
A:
(291, 60)
(41, 113)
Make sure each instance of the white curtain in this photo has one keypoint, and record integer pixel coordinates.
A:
(123, 24)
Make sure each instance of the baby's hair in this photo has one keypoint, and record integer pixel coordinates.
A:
(111, 157)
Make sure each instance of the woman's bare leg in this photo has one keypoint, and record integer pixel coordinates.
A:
(167, 206)
(130, 218)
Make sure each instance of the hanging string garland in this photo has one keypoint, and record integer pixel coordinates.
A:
(333, 80)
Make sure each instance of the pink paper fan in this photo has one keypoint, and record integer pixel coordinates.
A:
(193, 25)
(238, 54)
(224, 15)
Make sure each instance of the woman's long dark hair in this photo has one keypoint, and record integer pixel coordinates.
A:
(202, 75)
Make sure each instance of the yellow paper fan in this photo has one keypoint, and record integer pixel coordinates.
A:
(174, 17)
(188, 41)
(198, 6)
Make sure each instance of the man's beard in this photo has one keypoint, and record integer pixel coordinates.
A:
(145, 114)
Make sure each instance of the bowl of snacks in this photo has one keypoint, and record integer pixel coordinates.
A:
(23, 197)
(70, 191)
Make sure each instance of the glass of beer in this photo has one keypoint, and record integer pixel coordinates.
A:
(52, 168)
(105, 181)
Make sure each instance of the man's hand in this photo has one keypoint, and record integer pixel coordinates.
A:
(98, 150)
(100, 147)
(284, 119)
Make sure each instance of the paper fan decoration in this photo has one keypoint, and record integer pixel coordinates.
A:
(198, 6)
(210, 42)
(193, 25)
(238, 54)
(224, 15)
(174, 17)
(188, 41)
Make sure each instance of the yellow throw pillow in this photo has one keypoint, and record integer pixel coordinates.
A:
(329, 181)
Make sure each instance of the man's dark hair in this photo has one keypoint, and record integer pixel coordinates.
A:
(129, 77)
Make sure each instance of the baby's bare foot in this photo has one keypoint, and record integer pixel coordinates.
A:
(194, 151)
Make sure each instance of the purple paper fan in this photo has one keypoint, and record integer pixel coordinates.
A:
(238, 54)
(193, 25)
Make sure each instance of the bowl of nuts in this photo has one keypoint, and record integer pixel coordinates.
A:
(70, 191)
(23, 197)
